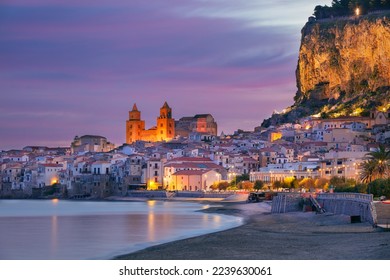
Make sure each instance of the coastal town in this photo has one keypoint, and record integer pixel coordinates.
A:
(190, 155)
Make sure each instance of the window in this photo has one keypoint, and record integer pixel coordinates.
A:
(155, 180)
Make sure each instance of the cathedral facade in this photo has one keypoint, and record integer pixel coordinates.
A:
(163, 131)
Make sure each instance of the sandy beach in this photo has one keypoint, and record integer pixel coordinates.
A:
(291, 236)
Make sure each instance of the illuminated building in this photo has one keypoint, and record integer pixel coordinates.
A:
(91, 143)
(163, 131)
(276, 135)
(48, 174)
(200, 123)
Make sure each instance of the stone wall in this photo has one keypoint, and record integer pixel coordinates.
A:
(349, 204)
(286, 202)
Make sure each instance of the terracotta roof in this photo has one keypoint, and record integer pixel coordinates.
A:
(191, 172)
(51, 165)
(194, 165)
(318, 143)
(191, 159)
(268, 150)
(101, 162)
(249, 159)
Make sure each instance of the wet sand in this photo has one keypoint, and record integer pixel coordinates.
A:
(291, 236)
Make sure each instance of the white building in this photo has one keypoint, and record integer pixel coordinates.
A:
(48, 174)
(193, 180)
(101, 167)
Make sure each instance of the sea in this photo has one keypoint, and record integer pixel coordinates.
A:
(88, 230)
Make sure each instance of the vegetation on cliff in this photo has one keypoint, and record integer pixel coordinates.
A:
(340, 8)
(343, 68)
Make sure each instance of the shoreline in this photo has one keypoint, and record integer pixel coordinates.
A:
(266, 236)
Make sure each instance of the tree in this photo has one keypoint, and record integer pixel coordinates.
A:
(222, 186)
(290, 183)
(245, 185)
(306, 183)
(240, 178)
(258, 185)
(341, 183)
(380, 187)
(378, 163)
(340, 8)
(321, 183)
(368, 171)
(361, 188)
(276, 185)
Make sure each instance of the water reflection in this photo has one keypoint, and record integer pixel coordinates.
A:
(151, 228)
(78, 230)
(54, 231)
(151, 203)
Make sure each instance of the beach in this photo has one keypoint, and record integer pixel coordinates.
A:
(290, 236)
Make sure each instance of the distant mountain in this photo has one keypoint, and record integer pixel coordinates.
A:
(343, 68)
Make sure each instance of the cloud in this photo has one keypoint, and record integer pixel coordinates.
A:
(91, 60)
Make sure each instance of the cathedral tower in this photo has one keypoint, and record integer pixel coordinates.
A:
(134, 125)
(165, 124)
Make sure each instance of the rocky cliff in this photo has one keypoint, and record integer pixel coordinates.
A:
(343, 67)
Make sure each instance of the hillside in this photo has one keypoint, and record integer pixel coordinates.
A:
(343, 68)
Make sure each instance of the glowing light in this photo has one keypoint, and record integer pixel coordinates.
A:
(152, 185)
(357, 112)
(151, 203)
(54, 200)
(357, 11)
(316, 115)
(53, 181)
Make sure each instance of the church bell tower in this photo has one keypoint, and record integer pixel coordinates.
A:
(134, 125)
(165, 124)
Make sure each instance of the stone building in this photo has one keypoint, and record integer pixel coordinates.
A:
(91, 143)
(201, 123)
(163, 131)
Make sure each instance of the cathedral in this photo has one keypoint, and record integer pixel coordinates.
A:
(164, 131)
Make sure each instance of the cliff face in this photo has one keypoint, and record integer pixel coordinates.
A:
(343, 68)
(345, 56)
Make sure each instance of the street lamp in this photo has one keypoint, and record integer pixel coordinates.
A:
(357, 11)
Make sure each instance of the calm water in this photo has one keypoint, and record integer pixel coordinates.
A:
(56, 229)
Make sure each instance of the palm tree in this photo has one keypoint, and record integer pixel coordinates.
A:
(368, 171)
(378, 162)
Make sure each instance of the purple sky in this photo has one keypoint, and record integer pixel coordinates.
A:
(71, 67)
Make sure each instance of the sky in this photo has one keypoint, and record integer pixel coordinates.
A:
(71, 67)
